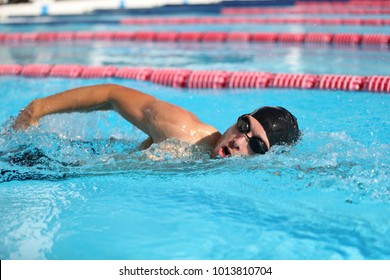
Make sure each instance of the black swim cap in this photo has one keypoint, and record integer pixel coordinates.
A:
(279, 124)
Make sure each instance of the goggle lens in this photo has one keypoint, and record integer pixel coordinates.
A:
(257, 145)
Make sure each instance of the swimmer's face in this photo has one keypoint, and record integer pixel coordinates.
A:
(234, 142)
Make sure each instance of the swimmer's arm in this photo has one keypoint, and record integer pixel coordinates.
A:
(127, 102)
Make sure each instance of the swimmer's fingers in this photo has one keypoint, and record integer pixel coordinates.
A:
(23, 121)
(26, 118)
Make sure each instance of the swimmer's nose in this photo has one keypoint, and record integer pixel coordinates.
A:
(234, 145)
(238, 143)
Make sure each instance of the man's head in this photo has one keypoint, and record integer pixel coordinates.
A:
(257, 132)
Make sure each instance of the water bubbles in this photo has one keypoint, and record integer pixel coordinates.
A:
(330, 161)
(173, 149)
(40, 154)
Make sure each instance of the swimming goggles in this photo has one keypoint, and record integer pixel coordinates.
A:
(257, 145)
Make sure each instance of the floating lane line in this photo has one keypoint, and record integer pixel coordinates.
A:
(185, 78)
(223, 37)
(253, 20)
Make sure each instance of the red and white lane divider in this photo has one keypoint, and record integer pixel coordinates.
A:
(251, 20)
(258, 37)
(308, 10)
(350, 3)
(184, 78)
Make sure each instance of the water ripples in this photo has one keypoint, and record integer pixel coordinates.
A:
(321, 160)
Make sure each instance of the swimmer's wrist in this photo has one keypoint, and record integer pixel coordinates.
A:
(37, 109)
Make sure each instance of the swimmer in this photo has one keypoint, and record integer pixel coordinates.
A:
(253, 133)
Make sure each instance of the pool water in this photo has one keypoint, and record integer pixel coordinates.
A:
(275, 58)
(87, 193)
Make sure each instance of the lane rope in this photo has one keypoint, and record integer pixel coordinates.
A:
(257, 37)
(350, 3)
(308, 10)
(251, 20)
(184, 78)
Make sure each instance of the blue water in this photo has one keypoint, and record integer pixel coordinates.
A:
(328, 197)
(275, 58)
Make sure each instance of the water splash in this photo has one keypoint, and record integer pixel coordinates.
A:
(335, 161)
(38, 155)
(327, 160)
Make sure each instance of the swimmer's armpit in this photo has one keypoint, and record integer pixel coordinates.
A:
(146, 144)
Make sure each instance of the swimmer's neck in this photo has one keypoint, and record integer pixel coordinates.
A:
(206, 143)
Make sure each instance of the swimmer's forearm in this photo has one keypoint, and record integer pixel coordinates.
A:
(89, 98)
(75, 100)
(127, 102)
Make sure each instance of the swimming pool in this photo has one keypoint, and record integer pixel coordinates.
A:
(328, 197)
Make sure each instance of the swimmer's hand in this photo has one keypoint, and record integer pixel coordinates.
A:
(28, 116)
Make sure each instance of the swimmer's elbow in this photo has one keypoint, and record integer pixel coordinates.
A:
(110, 89)
(114, 91)
(109, 94)
(123, 95)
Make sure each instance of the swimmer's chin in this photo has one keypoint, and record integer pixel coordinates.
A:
(214, 155)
